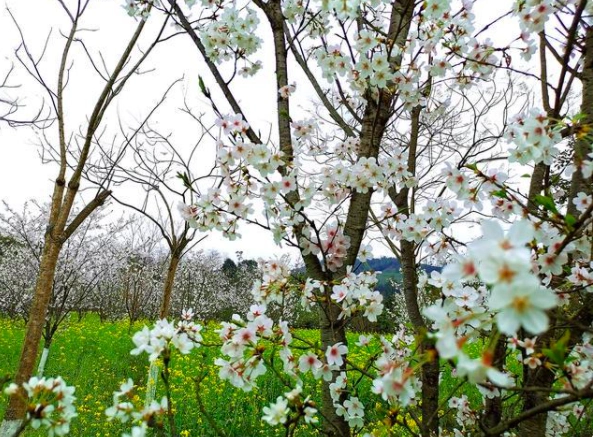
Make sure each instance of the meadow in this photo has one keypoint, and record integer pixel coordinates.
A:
(95, 358)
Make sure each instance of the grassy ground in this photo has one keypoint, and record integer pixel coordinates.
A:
(95, 358)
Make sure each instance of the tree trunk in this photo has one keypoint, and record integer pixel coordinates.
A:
(431, 369)
(43, 289)
(535, 425)
(9, 428)
(493, 407)
(583, 142)
(542, 377)
(332, 331)
(168, 288)
(151, 383)
(154, 370)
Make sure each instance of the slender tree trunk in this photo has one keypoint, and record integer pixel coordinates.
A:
(43, 288)
(536, 185)
(542, 377)
(431, 369)
(539, 377)
(583, 142)
(154, 370)
(169, 282)
(493, 407)
(332, 331)
(11, 428)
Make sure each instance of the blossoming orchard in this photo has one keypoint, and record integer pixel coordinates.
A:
(455, 134)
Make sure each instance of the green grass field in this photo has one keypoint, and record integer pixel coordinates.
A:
(95, 358)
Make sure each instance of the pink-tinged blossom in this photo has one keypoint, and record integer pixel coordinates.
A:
(396, 384)
(232, 124)
(287, 90)
(309, 362)
(582, 202)
(532, 362)
(333, 354)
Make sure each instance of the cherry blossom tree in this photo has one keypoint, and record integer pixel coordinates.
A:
(203, 285)
(17, 276)
(510, 314)
(76, 272)
(386, 65)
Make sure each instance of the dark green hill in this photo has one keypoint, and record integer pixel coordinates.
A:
(390, 272)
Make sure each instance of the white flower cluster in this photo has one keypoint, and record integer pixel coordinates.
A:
(292, 10)
(582, 276)
(464, 415)
(504, 262)
(231, 35)
(559, 422)
(355, 295)
(333, 62)
(333, 246)
(396, 382)
(481, 57)
(273, 286)
(534, 138)
(534, 14)
(304, 129)
(353, 411)
(436, 9)
(50, 403)
(448, 31)
(311, 362)
(250, 172)
(242, 343)
(164, 335)
(344, 9)
(577, 374)
(585, 166)
(421, 226)
(141, 8)
(124, 410)
(291, 403)
(232, 124)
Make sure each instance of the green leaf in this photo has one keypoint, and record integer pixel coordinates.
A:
(558, 351)
(473, 167)
(185, 179)
(547, 202)
(570, 220)
(500, 193)
(203, 88)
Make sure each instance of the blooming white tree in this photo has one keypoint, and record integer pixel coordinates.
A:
(377, 66)
(78, 270)
(332, 174)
